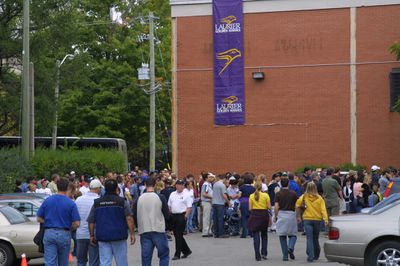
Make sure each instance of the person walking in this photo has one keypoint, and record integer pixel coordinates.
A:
(285, 219)
(312, 207)
(112, 217)
(60, 216)
(152, 213)
(180, 205)
(259, 204)
(84, 248)
(218, 201)
(206, 196)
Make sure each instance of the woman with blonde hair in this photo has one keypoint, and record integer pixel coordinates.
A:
(312, 208)
(259, 204)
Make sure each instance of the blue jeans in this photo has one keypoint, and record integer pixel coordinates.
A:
(118, 249)
(263, 235)
(245, 214)
(312, 228)
(56, 247)
(219, 211)
(285, 246)
(189, 222)
(83, 249)
(150, 240)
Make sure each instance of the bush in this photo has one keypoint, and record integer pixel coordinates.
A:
(343, 167)
(12, 167)
(89, 161)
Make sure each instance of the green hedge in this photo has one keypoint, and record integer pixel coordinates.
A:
(88, 161)
(343, 167)
(12, 167)
(46, 162)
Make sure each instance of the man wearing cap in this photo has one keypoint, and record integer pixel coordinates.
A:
(112, 217)
(375, 174)
(84, 204)
(180, 206)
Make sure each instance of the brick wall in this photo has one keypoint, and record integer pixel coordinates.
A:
(300, 113)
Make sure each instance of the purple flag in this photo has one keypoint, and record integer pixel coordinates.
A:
(228, 62)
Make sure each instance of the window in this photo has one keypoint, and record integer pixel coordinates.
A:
(13, 216)
(26, 208)
(394, 89)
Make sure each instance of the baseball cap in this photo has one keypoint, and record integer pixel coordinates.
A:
(375, 168)
(72, 172)
(180, 182)
(284, 174)
(232, 178)
(211, 174)
(95, 183)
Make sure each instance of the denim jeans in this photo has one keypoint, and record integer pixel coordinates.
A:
(285, 246)
(312, 234)
(219, 211)
(85, 248)
(56, 247)
(118, 249)
(189, 222)
(263, 235)
(158, 240)
(245, 214)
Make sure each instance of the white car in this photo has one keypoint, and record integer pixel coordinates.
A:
(371, 239)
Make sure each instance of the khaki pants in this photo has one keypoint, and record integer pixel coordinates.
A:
(206, 218)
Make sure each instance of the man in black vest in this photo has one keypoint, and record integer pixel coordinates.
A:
(112, 217)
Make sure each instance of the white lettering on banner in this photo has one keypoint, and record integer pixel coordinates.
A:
(229, 108)
(223, 28)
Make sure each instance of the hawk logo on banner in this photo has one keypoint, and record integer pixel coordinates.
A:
(229, 56)
(231, 99)
(228, 19)
(227, 25)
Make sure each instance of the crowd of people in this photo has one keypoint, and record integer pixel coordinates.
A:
(101, 213)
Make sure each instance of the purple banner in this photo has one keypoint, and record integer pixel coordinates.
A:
(228, 62)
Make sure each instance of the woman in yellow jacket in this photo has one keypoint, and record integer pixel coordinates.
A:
(259, 204)
(313, 207)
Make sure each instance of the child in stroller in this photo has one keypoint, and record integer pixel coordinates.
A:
(232, 220)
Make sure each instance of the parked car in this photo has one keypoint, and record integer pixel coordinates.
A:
(393, 187)
(26, 203)
(371, 238)
(16, 236)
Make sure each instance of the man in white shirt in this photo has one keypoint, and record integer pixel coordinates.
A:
(85, 188)
(84, 204)
(180, 205)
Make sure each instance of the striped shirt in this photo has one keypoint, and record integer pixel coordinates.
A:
(84, 204)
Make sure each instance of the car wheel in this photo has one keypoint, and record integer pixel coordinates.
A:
(385, 254)
(6, 255)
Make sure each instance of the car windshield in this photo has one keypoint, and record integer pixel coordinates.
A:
(13, 216)
(385, 204)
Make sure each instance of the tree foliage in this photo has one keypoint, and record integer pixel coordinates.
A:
(99, 95)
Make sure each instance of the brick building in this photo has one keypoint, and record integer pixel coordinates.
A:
(325, 97)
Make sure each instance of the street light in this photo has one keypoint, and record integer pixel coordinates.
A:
(56, 94)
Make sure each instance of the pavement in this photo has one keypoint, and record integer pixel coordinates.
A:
(231, 251)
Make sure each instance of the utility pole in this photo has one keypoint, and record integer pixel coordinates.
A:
(32, 111)
(152, 95)
(56, 94)
(25, 85)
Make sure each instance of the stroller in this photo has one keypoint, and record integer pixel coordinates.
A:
(232, 220)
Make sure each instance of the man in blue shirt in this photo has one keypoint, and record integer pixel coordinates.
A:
(292, 184)
(60, 216)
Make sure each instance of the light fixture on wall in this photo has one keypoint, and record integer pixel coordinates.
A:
(259, 75)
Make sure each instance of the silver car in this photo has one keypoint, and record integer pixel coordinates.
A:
(16, 236)
(24, 202)
(371, 238)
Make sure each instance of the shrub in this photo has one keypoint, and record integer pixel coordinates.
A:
(12, 167)
(90, 161)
